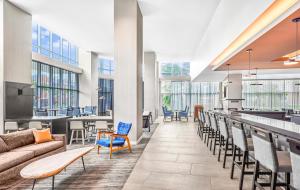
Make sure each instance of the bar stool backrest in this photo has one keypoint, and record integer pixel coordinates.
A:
(35, 125)
(102, 125)
(239, 136)
(11, 126)
(207, 120)
(264, 149)
(213, 121)
(223, 127)
(295, 159)
(76, 125)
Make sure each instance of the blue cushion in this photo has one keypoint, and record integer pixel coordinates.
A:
(106, 142)
(123, 128)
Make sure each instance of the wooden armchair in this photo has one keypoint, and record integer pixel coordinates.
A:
(116, 139)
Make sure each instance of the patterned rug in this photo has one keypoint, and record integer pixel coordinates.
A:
(101, 172)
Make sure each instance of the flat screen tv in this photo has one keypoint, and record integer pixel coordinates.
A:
(18, 100)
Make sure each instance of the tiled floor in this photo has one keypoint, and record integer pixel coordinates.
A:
(176, 158)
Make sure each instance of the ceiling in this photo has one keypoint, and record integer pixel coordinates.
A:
(275, 43)
(190, 30)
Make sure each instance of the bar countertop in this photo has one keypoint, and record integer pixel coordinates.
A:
(38, 118)
(284, 128)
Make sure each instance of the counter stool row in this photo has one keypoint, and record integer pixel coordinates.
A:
(256, 148)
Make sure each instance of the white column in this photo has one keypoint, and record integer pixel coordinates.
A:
(150, 80)
(233, 92)
(128, 56)
(15, 49)
(88, 80)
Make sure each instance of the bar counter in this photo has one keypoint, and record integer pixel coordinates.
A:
(284, 128)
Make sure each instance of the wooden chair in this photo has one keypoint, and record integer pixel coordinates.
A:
(117, 140)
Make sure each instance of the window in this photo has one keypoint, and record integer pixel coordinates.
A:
(177, 94)
(271, 95)
(175, 69)
(106, 67)
(54, 87)
(65, 51)
(105, 95)
(53, 45)
(56, 47)
(45, 41)
(35, 33)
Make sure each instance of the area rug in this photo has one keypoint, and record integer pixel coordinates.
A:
(101, 172)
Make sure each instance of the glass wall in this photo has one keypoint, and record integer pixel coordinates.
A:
(178, 94)
(105, 95)
(54, 87)
(272, 94)
(175, 69)
(53, 45)
(106, 66)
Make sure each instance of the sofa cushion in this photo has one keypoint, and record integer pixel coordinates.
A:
(42, 148)
(18, 139)
(3, 146)
(11, 159)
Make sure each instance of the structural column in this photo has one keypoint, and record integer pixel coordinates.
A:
(128, 57)
(88, 80)
(15, 51)
(150, 80)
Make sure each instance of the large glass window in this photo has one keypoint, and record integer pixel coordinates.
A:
(175, 69)
(106, 67)
(54, 87)
(45, 41)
(271, 95)
(105, 95)
(53, 45)
(178, 94)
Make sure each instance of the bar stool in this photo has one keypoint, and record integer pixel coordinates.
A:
(215, 133)
(100, 126)
(241, 144)
(35, 125)
(77, 126)
(225, 139)
(275, 161)
(202, 127)
(295, 159)
(208, 126)
(11, 126)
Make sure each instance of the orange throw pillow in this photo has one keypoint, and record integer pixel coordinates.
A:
(42, 136)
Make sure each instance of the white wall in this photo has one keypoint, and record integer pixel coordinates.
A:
(17, 45)
(15, 49)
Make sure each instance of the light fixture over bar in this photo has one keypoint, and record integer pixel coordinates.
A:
(275, 10)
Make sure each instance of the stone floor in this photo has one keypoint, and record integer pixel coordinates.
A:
(176, 158)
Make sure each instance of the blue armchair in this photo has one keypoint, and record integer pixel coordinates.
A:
(167, 113)
(115, 139)
(184, 113)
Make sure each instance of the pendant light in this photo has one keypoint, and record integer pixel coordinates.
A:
(256, 83)
(249, 51)
(228, 76)
(296, 59)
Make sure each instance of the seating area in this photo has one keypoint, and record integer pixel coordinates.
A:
(149, 95)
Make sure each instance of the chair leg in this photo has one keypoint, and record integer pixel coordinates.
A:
(208, 136)
(287, 180)
(255, 176)
(245, 155)
(71, 139)
(233, 162)
(129, 145)
(216, 140)
(274, 181)
(82, 136)
(220, 147)
(77, 135)
(225, 153)
(110, 151)
(98, 151)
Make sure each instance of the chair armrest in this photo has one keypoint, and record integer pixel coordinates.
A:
(60, 137)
